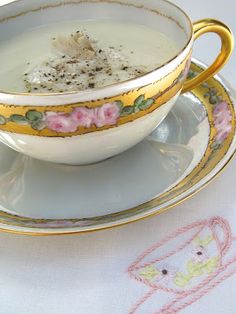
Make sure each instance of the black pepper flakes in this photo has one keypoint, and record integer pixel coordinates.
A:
(98, 69)
(68, 70)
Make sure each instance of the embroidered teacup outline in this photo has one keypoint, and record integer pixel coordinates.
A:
(211, 268)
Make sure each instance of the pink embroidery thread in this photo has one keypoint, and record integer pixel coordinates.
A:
(212, 280)
(141, 301)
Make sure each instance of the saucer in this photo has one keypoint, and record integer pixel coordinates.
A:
(191, 146)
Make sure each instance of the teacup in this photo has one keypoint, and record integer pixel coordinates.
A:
(40, 125)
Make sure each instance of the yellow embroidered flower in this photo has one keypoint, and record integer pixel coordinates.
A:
(149, 273)
(196, 270)
(203, 242)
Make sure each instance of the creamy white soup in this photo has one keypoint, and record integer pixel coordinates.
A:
(80, 55)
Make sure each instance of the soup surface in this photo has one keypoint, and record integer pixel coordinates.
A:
(79, 55)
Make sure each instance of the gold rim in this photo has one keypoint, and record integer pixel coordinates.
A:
(167, 88)
(227, 44)
(97, 1)
(220, 156)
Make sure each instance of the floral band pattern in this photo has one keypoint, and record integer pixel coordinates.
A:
(213, 156)
(105, 115)
(82, 118)
(222, 116)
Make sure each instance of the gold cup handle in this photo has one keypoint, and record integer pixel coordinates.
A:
(227, 40)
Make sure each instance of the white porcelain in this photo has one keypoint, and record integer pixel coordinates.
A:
(99, 143)
(179, 158)
(87, 148)
(38, 189)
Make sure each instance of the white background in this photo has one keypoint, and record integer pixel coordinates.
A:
(87, 274)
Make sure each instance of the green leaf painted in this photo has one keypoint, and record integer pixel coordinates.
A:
(206, 95)
(139, 100)
(216, 146)
(17, 118)
(213, 100)
(2, 120)
(191, 74)
(127, 111)
(120, 104)
(146, 104)
(34, 115)
(136, 109)
(38, 125)
(213, 91)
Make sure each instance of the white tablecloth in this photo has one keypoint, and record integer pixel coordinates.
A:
(88, 274)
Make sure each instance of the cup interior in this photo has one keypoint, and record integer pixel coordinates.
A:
(160, 15)
(22, 15)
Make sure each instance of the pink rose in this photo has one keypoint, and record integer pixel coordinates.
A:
(220, 109)
(60, 122)
(223, 134)
(83, 116)
(222, 121)
(108, 114)
(222, 113)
